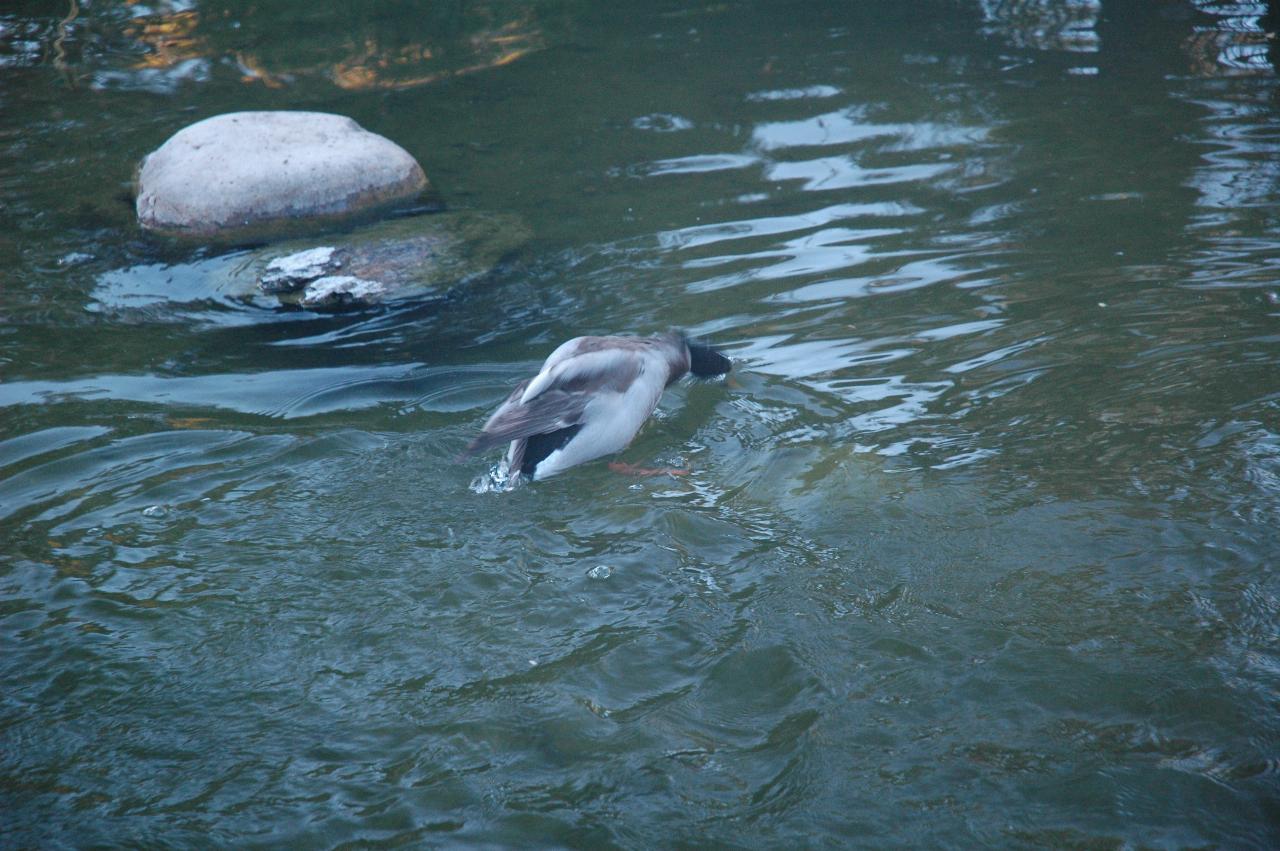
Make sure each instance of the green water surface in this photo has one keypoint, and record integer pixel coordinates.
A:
(979, 544)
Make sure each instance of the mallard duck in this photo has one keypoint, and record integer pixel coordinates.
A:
(590, 399)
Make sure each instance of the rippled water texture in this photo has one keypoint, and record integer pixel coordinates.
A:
(978, 543)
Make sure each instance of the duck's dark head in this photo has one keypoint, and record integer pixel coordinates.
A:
(706, 362)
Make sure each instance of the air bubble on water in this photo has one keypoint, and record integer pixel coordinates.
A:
(600, 571)
(155, 511)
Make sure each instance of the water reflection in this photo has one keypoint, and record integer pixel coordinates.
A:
(22, 41)
(1237, 41)
(851, 125)
(1225, 38)
(1241, 168)
(699, 235)
(160, 46)
(699, 164)
(1069, 25)
(842, 173)
(821, 252)
(818, 91)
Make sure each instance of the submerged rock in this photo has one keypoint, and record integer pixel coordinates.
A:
(246, 173)
(416, 257)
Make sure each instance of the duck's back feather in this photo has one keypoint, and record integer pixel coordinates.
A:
(584, 368)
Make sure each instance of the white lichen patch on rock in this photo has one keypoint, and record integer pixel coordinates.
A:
(294, 271)
(338, 291)
(243, 173)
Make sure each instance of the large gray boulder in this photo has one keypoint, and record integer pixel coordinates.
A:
(252, 174)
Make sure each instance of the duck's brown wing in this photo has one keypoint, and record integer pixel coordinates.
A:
(550, 411)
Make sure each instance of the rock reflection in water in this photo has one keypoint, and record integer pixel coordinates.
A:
(174, 43)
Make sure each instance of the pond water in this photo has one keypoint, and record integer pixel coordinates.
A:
(978, 545)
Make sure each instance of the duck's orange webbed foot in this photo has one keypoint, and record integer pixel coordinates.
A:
(635, 470)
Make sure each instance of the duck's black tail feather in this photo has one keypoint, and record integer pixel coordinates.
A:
(539, 446)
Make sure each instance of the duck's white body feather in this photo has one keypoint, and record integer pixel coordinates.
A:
(610, 421)
(590, 399)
